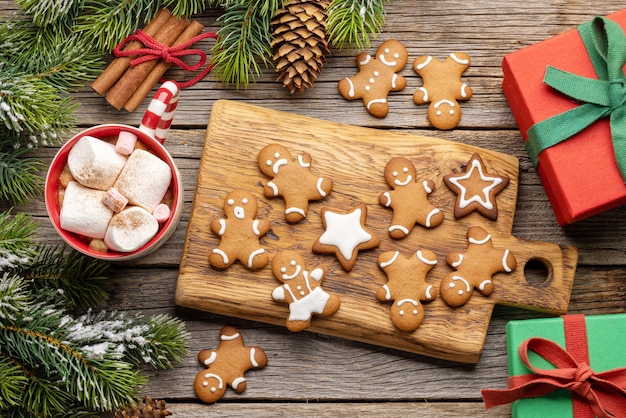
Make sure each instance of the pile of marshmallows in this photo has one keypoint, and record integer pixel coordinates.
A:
(114, 192)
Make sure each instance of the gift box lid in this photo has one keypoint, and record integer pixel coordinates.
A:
(606, 338)
(580, 175)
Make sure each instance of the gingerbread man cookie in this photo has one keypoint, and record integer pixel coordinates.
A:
(301, 289)
(475, 268)
(442, 88)
(239, 233)
(406, 286)
(476, 190)
(226, 366)
(408, 199)
(292, 180)
(377, 77)
(345, 234)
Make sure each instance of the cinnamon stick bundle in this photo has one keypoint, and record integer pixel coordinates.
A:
(132, 78)
(118, 66)
(153, 77)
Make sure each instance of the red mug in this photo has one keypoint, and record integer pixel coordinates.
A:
(151, 133)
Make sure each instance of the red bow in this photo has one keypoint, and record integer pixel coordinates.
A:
(154, 50)
(602, 391)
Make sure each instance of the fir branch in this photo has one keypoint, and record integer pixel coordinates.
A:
(244, 42)
(189, 7)
(16, 240)
(353, 22)
(20, 180)
(12, 382)
(79, 280)
(14, 297)
(48, 12)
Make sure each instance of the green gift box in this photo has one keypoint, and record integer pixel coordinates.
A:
(597, 341)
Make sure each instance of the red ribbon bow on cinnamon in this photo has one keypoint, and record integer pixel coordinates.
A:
(603, 392)
(155, 50)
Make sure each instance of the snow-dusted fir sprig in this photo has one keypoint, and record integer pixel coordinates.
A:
(16, 240)
(353, 22)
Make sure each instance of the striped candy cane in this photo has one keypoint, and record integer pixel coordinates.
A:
(158, 118)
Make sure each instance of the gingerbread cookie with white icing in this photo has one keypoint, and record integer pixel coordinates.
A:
(475, 268)
(226, 366)
(239, 233)
(476, 189)
(442, 88)
(292, 180)
(302, 290)
(406, 286)
(345, 235)
(408, 199)
(377, 77)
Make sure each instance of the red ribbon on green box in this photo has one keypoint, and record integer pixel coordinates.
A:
(606, 96)
(598, 394)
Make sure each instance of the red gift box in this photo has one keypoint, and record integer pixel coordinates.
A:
(580, 175)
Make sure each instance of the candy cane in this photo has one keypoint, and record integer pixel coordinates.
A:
(158, 117)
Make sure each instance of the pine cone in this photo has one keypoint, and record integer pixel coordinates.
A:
(149, 409)
(300, 46)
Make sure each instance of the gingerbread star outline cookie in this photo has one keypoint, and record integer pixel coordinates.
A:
(406, 286)
(474, 269)
(301, 289)
(226, 366)
(345, 235)
(408, 199)
(476, 189)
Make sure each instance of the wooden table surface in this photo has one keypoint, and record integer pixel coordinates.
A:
(316, 375)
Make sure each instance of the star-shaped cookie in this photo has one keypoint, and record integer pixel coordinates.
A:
(476, 190)
(345, 234)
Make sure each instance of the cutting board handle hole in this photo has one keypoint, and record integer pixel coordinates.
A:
(538, 272)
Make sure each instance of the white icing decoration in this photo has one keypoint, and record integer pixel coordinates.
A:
(319, 187)
(388, 197)
(276, 154)
(366, 60)
(252, 360)
(268, 163)
(458, 262)
(244, 200)
(382, 59)
(376, 73)
(230, 337)
(344, 231)
(216, 377)
(371, 102)
(400, 227)
(367, 88)
(425, 63)
(430, 215)
(278, 293)
(448, 102)
(484, 283)
(387, 292)
(351, 90)
(394, 77)
(317, 274)
(424, 92)
(273, 186)
(459, 60)
(296, 210)
(239, 212)
(409, 179)
(396, 55)
(507, 268)
(314, 302)
(403, 301)
(211, 358)
(463, 92)
(230, 202)
(294, 275)
(480, 242)
(237, 382)
(425, 260)
(485, 202)
(302, 163)
(255, 227)
(222, 227)
(222, 253)
(205, 384)
(372, 81)
(254, 254)
(278, 164)
(428, 189)
(392, 260)
(428, 294)
(451, 111)
(462, 280)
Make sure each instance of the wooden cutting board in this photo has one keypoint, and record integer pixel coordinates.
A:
(355, 159)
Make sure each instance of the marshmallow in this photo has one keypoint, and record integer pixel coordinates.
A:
(130, 229)
(125, 144)
(115, 200)
(83, 212)
(144, 179)
(94, 163)
(161, 213)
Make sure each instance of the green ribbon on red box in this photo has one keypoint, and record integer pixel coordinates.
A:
(595, 394)
(606, 96)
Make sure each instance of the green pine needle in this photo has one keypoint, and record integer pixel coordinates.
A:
(20, 180)
(16, 240)
(353, 22)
